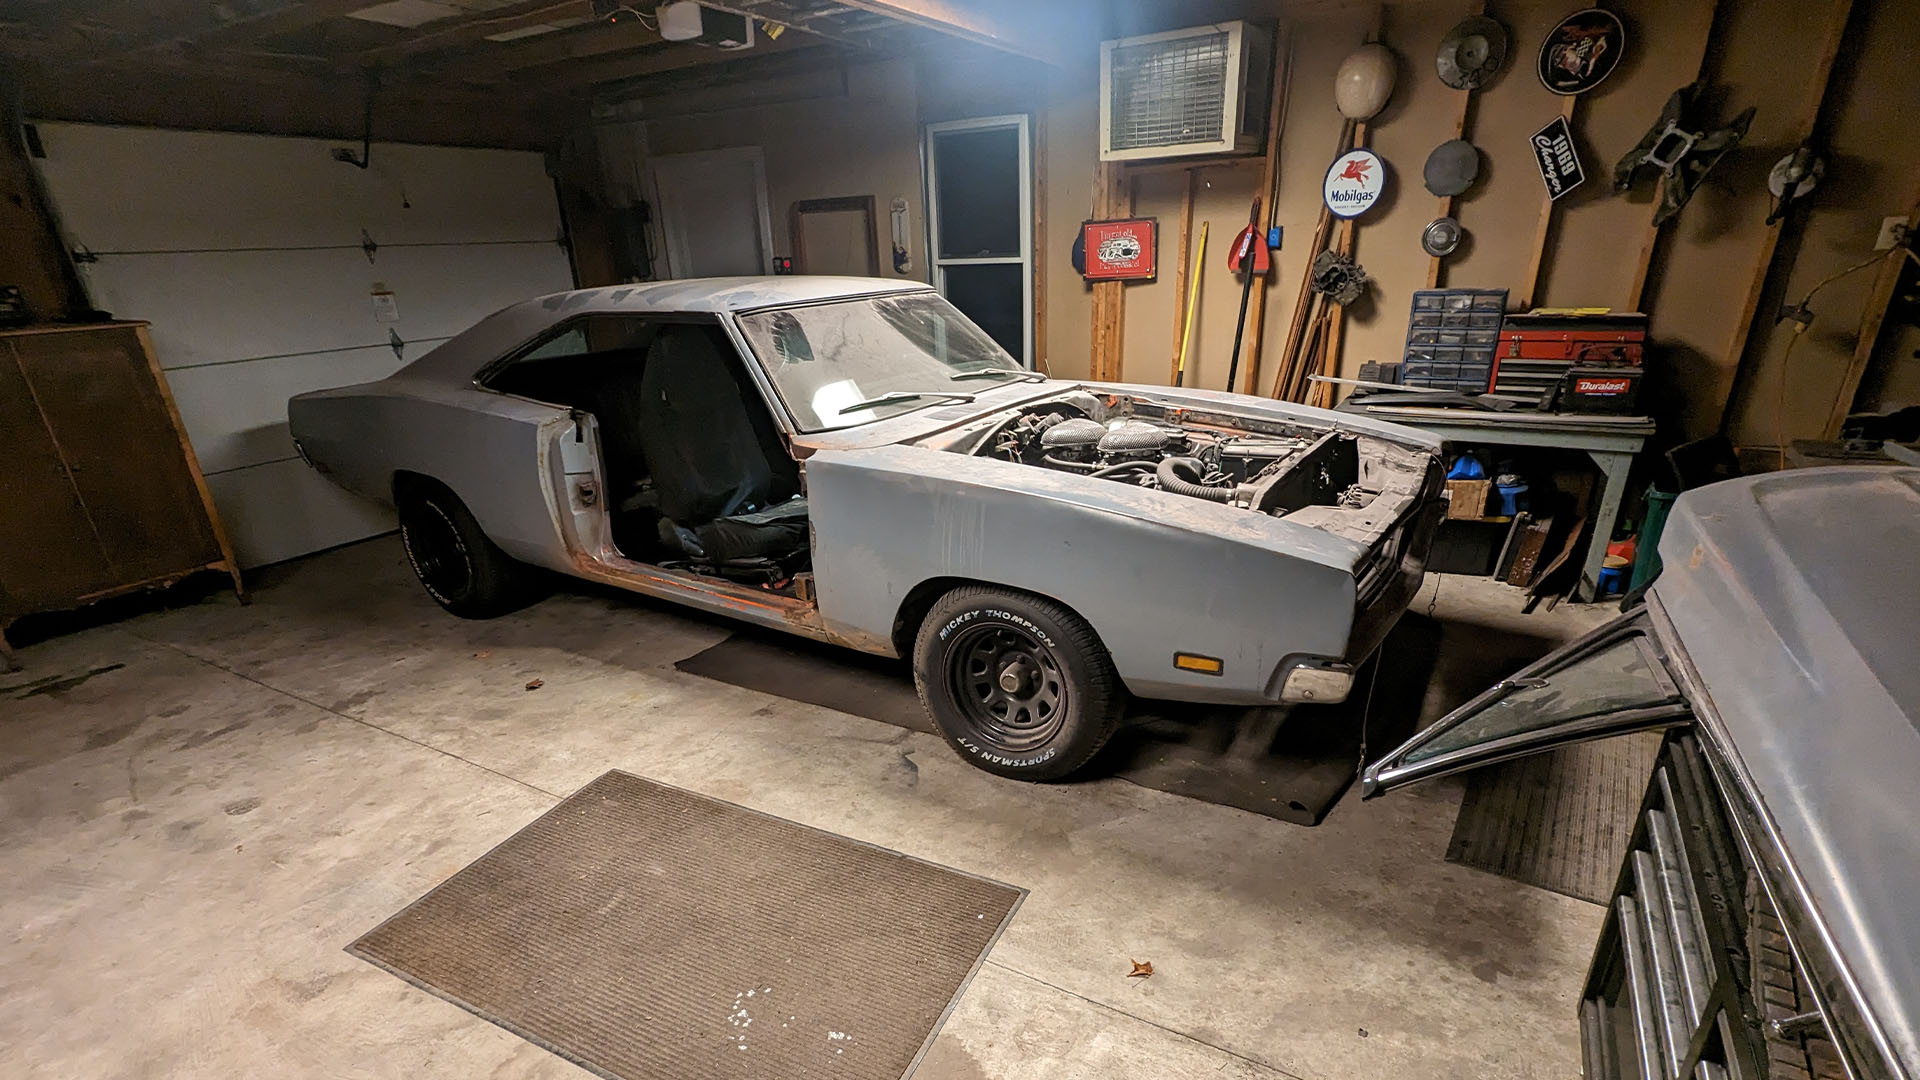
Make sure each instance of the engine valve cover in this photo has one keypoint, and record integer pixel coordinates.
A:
(1076, 433)
(1134, 437)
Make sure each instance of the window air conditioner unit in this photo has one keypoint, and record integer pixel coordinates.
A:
(1202, 90)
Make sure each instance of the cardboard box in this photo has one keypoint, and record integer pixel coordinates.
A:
(1467, 499)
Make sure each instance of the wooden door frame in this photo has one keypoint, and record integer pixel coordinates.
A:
(863, 204)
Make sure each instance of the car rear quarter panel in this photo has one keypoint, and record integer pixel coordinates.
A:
(1153, 573)
(490, 449)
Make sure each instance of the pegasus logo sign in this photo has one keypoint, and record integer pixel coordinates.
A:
(1354, 183)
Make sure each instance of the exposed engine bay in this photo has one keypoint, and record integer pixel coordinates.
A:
(1269, 473)
(1351, 484)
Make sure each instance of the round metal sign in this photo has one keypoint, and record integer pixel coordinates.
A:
(1582, 51)
(1354, 183)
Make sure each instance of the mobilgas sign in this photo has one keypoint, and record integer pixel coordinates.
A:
(1559, 163)
(1354, 182)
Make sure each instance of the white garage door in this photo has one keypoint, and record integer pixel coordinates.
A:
(268, 268)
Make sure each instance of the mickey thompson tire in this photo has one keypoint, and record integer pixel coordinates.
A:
(1019, 685)
(458, 566)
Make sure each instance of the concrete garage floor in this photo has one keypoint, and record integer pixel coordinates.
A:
(189, 839)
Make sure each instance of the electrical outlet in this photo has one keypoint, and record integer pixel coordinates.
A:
(1890, 230)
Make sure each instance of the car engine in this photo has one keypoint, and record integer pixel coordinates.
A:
(1269, 472)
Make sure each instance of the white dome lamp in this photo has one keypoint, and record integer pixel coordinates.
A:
(1365, 81)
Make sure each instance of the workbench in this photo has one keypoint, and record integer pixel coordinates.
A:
(1611, 441)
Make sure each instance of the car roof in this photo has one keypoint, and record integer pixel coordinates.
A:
(1795, 596)
(726, 293)
(467, 352)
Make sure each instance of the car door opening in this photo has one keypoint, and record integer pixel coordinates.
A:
(694, 470)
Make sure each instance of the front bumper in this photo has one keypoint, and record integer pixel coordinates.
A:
(1384, 593)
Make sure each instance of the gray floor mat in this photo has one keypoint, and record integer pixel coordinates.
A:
(648, 933)
(1558, 820)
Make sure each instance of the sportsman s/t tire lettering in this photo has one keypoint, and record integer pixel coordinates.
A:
(1019, 685)
(462, 570)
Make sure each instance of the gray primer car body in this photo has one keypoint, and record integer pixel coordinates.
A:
(906, 503)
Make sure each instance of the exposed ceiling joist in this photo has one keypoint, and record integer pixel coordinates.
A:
(825, 22)
(975, 21)
(457, 33)
(503, 58)
(681, 92)
(654, 61)
(280, 20)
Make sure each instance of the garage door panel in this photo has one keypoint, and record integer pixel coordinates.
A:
(236, 414)
(244, 253)
(218, 307)
(147, 189)
(516, 203)
(280, 510)
(441, 291)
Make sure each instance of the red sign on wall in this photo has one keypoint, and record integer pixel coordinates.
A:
(1121, 250)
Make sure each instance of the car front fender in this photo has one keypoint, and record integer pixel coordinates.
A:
(1154, 573)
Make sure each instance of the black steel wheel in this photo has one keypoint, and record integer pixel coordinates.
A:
(440, 557)
(1019, 685)
(462, 570)
(1009, 684)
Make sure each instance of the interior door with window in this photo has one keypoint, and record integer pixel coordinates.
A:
(713, 212)
(980, 191)
(1612, 681)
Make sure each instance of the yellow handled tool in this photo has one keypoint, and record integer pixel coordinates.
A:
(1193, 296)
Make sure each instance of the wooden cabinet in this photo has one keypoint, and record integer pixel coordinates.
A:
(100, 493)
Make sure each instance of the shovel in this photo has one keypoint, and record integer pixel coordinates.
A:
(1248, 256)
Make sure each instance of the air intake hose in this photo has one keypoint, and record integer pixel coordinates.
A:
(1168, 473)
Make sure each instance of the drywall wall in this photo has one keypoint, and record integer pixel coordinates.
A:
(1875, 173)
(845, 131)
(1762, 53)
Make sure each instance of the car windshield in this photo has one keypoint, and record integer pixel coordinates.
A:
(856, 361)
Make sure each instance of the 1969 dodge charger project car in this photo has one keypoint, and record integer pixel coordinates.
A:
(854, 461)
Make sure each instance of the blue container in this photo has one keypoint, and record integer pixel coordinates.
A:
(1613, 581)
(1510, 497)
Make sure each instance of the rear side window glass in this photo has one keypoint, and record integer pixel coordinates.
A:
(565, 366)
(593, 334)
(1623, 675)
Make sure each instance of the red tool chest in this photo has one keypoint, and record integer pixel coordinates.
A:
(1536, 350)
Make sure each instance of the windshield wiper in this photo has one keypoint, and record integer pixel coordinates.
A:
(989, 373)
(902, 395)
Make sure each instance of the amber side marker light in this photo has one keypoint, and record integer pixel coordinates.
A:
(1205, 665)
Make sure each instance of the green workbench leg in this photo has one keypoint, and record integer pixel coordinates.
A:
(1614, 467)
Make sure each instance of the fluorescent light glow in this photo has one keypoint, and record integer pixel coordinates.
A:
(407, 13)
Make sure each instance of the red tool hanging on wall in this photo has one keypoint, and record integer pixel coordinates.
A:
(1249, 256)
